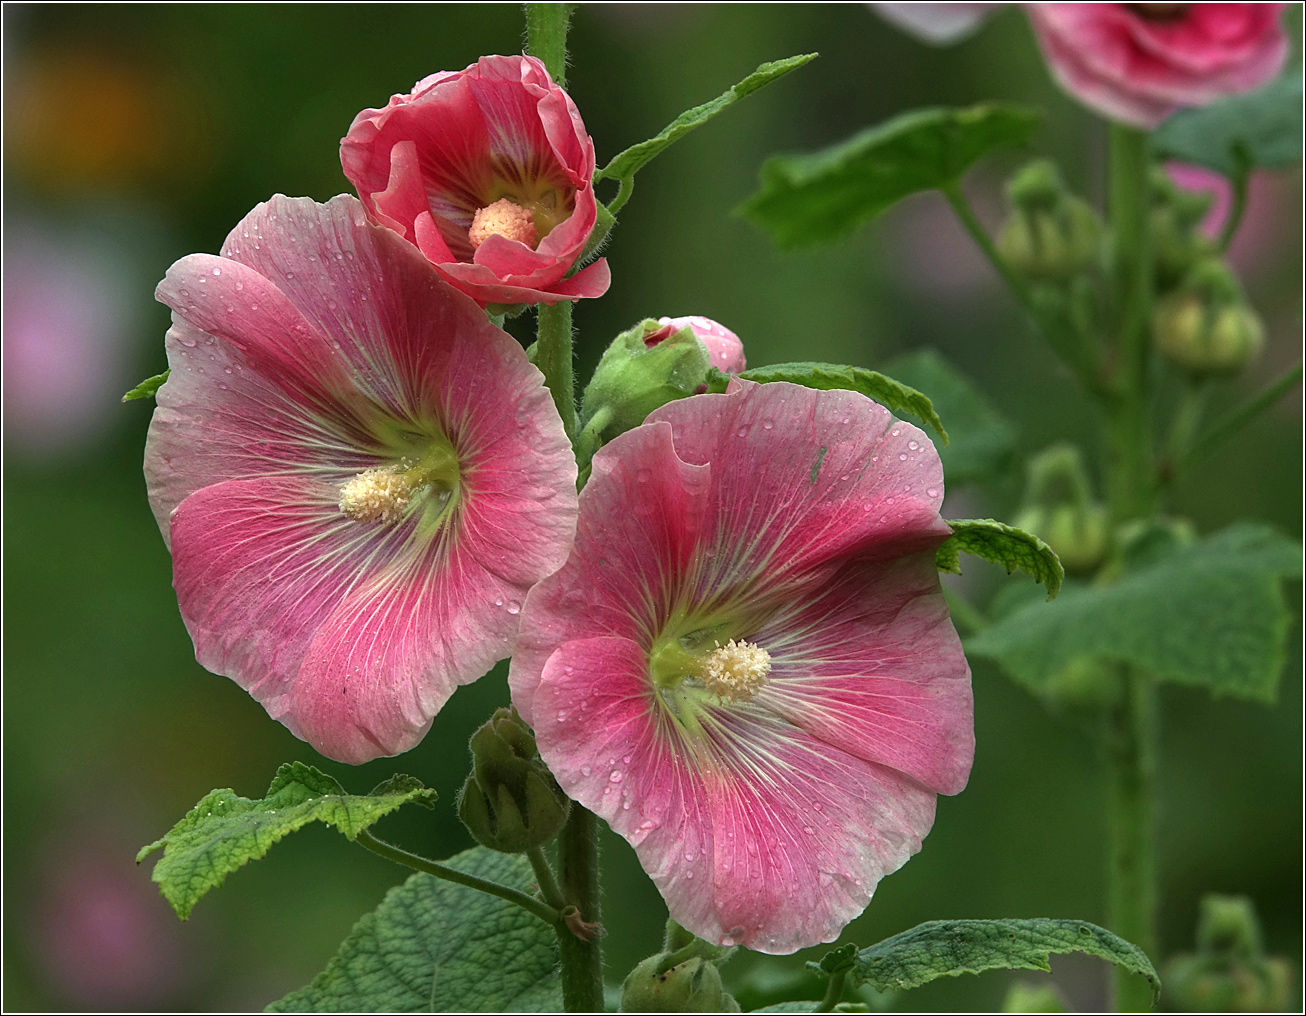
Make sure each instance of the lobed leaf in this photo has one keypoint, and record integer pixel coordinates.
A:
(1014, 549)
(981, 441)
(1210, 613)
(949, 948)
(223, 831)
(148, 387)
(1238, 133)
(434, 946)
(896, 397)
(633, 159)
(823, 196)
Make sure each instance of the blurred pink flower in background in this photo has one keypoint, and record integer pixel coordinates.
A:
(1262, 222)
(1138, 63)
(488, 172)
(940, 24)
(68, 317)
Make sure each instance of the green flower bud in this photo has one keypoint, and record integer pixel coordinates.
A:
(1051, 235)
(1060, 510)
(1229, 972)
(1083, 688)
(511, 801)
(1022, 997)
(644, 369)
(691, 986)
(1228, 924)
(1175, 220)
(1205, 327)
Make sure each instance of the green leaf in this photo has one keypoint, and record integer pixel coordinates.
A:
(433, 946)
(898, 398)
(1210, 613)
(981, 441)
(1233, 135)
(948, 948)
(1002, 544)
(814, 1007)
(148, 387)
(633, 159)
(822, 196)
(224, 831)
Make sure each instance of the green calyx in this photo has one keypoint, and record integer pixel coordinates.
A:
(1229, 972)
(1174, 220)
(1051, 235)
(510, 802)
(1205, 326)
(1059, 508)
(634, 378)
(692, 985)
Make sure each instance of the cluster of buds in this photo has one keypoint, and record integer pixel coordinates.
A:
(1229, 972)
(1059, 509)
(510, 802)
(1051, 235)
(684, 977)
(1205, 326)
(1178, 242)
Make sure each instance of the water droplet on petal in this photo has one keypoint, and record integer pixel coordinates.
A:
(614, 776)
(902, 457)
(931, 492)
(217, 271)
(584, 770)
(913, 445)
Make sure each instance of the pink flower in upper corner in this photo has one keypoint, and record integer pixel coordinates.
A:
(488, 172)
(359, 476)
(939, 24)
(746, 665)
(1138, 63)
(724, 348)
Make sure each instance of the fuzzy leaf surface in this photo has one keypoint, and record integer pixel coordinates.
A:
(1014, 549)
(1211, 614)
(1239, 133)
(633, 159)
(980, 440)
(223, 831)
(434, 946)
(893, 395)
(147, 388)
(823, 196)
(949, 948)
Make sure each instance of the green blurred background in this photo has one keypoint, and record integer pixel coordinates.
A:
(136, 135)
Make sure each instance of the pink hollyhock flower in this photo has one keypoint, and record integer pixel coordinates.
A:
(724, 348)
(359, 476)
(746, 665)
(939, 24)
(1138, 63)
(488, 171)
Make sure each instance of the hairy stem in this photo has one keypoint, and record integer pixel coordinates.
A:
(546, 37)
(553, 356)
(582, 958)
(545, 878)
(546, 913)
(833, 992)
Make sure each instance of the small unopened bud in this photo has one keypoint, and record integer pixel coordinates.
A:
(724, 347)
(1230, 971)
(643, 369)
(1059, 509)
(692, 986)
(1228, 924)
(1022, 997)
(511, 801)
(1205, 327)
(1051, 235)
(1175, 221)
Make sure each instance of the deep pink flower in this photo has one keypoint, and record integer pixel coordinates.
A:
(746, 665)
(360, 477)
(488, 171)
(1138, 63)
(724, 348)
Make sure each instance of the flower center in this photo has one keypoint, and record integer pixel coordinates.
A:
(734, 672)
(503, 218)
(1160, 12)
(384, 494)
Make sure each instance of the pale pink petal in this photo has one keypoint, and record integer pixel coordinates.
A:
(724, 348)
(940, 24)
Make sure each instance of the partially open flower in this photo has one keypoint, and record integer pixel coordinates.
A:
(1138, 63)
(746, 666)
(724, 348)
(488, 172)
(359, 476)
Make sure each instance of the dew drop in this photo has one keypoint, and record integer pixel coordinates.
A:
(562, 715)
(902, 457)
(743, 431)
(584, 770)
(217, 271)
(768, 424)
(689, 874)
(913, 445)
(614, 776)
(931, 492)
(514, 607)
(185, 292)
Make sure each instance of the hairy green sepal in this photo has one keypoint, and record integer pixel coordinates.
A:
(223, 831)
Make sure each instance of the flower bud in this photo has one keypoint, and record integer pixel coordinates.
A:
(1022, 997)
(1230, 971)
(693, 985)
(1051, 235)
(1060, 510)
(510, 801)
(1177, 241)
(724, 347)
(644, 368)
(1205, 327)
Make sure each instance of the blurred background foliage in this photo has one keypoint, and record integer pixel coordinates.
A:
(137, 134)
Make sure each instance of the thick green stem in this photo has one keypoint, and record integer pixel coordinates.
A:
(553, 357)
(1131, 491)
(1131, 739)
(544, 877)
(833, 992)
(582, 958)
(546, 37)
(543, 911)
(1183, 425)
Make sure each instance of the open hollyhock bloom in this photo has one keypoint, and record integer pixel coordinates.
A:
(1138, 63)
(488, 172)
(746, 665)
(358, 475)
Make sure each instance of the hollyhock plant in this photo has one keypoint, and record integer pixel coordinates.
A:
(488, 172)
(1138, 63)
(359, 476)
(724, 348)
(746, 665)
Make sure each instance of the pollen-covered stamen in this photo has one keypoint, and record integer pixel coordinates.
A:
(380, 494)
(736, 671)
(503, 218)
